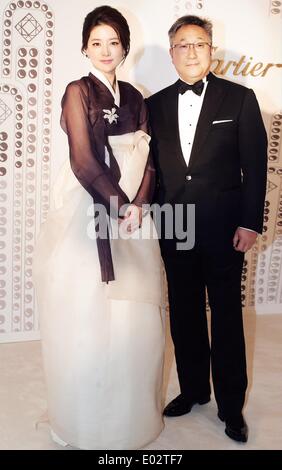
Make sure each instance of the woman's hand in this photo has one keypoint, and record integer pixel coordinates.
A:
(132, 219)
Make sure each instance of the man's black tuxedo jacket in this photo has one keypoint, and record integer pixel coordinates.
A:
(228, 159)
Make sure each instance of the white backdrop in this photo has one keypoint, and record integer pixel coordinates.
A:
(40, 54)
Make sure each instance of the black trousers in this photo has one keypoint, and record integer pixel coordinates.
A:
(213, 265)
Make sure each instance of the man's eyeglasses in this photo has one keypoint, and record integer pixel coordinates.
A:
(198, 46)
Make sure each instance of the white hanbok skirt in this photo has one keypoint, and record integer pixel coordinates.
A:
(102, 343)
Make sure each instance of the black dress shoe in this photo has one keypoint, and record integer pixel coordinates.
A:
(236, 427)
(179, 406)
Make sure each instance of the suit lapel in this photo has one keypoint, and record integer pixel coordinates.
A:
(170, 110)
(212, 101)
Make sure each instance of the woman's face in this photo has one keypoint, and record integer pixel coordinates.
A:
(104, 49)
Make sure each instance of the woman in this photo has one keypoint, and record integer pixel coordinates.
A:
(100, 299)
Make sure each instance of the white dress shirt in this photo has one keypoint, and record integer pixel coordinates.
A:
(189, 108)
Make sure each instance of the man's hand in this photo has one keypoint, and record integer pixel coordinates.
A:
(243, 239)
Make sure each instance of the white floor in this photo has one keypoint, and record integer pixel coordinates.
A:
(23, 397)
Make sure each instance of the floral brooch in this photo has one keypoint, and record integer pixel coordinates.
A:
(110, 115)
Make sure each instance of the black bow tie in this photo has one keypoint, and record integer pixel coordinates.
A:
(196, 87)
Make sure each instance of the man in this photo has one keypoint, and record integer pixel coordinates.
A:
(209, 145)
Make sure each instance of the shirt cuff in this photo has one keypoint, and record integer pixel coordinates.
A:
(249, 229)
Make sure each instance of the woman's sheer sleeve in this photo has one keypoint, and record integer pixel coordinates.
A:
(147, 187)
(93, 174)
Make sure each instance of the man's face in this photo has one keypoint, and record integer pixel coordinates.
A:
(191, 62)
